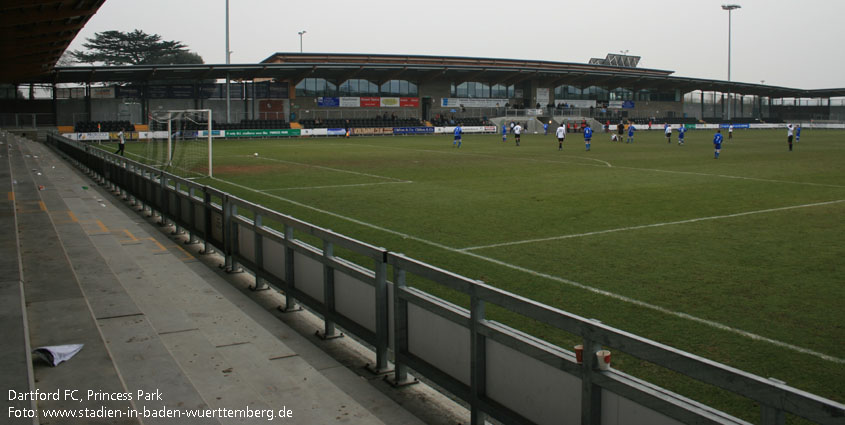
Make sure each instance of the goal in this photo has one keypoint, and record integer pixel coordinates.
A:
(180, 142)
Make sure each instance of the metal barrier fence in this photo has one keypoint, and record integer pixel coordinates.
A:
(498, 370)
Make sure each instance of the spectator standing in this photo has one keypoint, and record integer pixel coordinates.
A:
(122, 143)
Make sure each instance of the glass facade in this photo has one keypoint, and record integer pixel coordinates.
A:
(358, 87)
(355, 87)
(619, 93)
(399, 88)
(475, 89)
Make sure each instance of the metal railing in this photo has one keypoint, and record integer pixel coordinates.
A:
(498, 370)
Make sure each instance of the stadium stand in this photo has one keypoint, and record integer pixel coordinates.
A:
(361, 122)
(91, 126)
(242, 125)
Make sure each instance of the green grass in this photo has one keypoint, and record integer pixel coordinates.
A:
(761, 259)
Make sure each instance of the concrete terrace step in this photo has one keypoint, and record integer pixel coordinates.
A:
(156, 319)
(16, 372)
(56, 308)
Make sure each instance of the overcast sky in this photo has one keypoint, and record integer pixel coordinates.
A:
(784, 42)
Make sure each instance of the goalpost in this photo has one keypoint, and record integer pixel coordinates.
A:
(181, 142)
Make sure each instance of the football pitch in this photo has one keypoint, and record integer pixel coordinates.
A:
(739, 259)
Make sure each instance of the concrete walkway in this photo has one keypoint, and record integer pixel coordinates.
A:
(165, 331)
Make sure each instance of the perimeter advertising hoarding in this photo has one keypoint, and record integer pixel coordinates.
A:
(409, 102)
(413, 130)
(128, 91)
(102, 92)
(328, 102)
(208, 91)
(357, 102)
(262, 133)
(350, 102)
(371, 131)
(469, 129)
(183, 91)
(157, 92)
(455, 102)
(389, 102)
(372, 102)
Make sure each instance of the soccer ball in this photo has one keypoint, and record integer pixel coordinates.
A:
(256, 154)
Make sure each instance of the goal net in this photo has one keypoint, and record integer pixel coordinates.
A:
(180, 142)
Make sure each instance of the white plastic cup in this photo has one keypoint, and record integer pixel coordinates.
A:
(603, 359)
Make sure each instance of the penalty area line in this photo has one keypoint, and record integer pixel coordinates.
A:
(333, 186)
(618, 297)
(329, 168)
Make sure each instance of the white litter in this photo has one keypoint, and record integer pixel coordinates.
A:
(55, 354)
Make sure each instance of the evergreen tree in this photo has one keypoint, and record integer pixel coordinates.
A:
(133, 48)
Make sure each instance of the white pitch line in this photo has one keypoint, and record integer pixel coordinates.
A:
(646, 226)
(725, 176)
(334, 186)
(482, 155)
(710, 323)
(331, 169)
(663, 310)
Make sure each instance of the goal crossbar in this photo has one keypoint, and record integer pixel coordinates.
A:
(185, 114)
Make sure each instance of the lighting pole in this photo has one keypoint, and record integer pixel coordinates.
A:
(300, 39)
(228, 57)
(729, 8)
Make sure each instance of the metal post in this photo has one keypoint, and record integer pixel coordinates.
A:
(729, 63)
(382, 317)
(192, 213)
(208, 223)
(729, 8)
(290, 301)
(590, 393)
(228, 54)
(258, 249)
(227, 234)
(400, 330)
(478, 359)
(329, 331)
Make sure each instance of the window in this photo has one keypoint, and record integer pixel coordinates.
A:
(567, 92)
(399, 88)
(358, 87)
(499, 91)
(621, 94)
(474, 89)
(316, 87)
